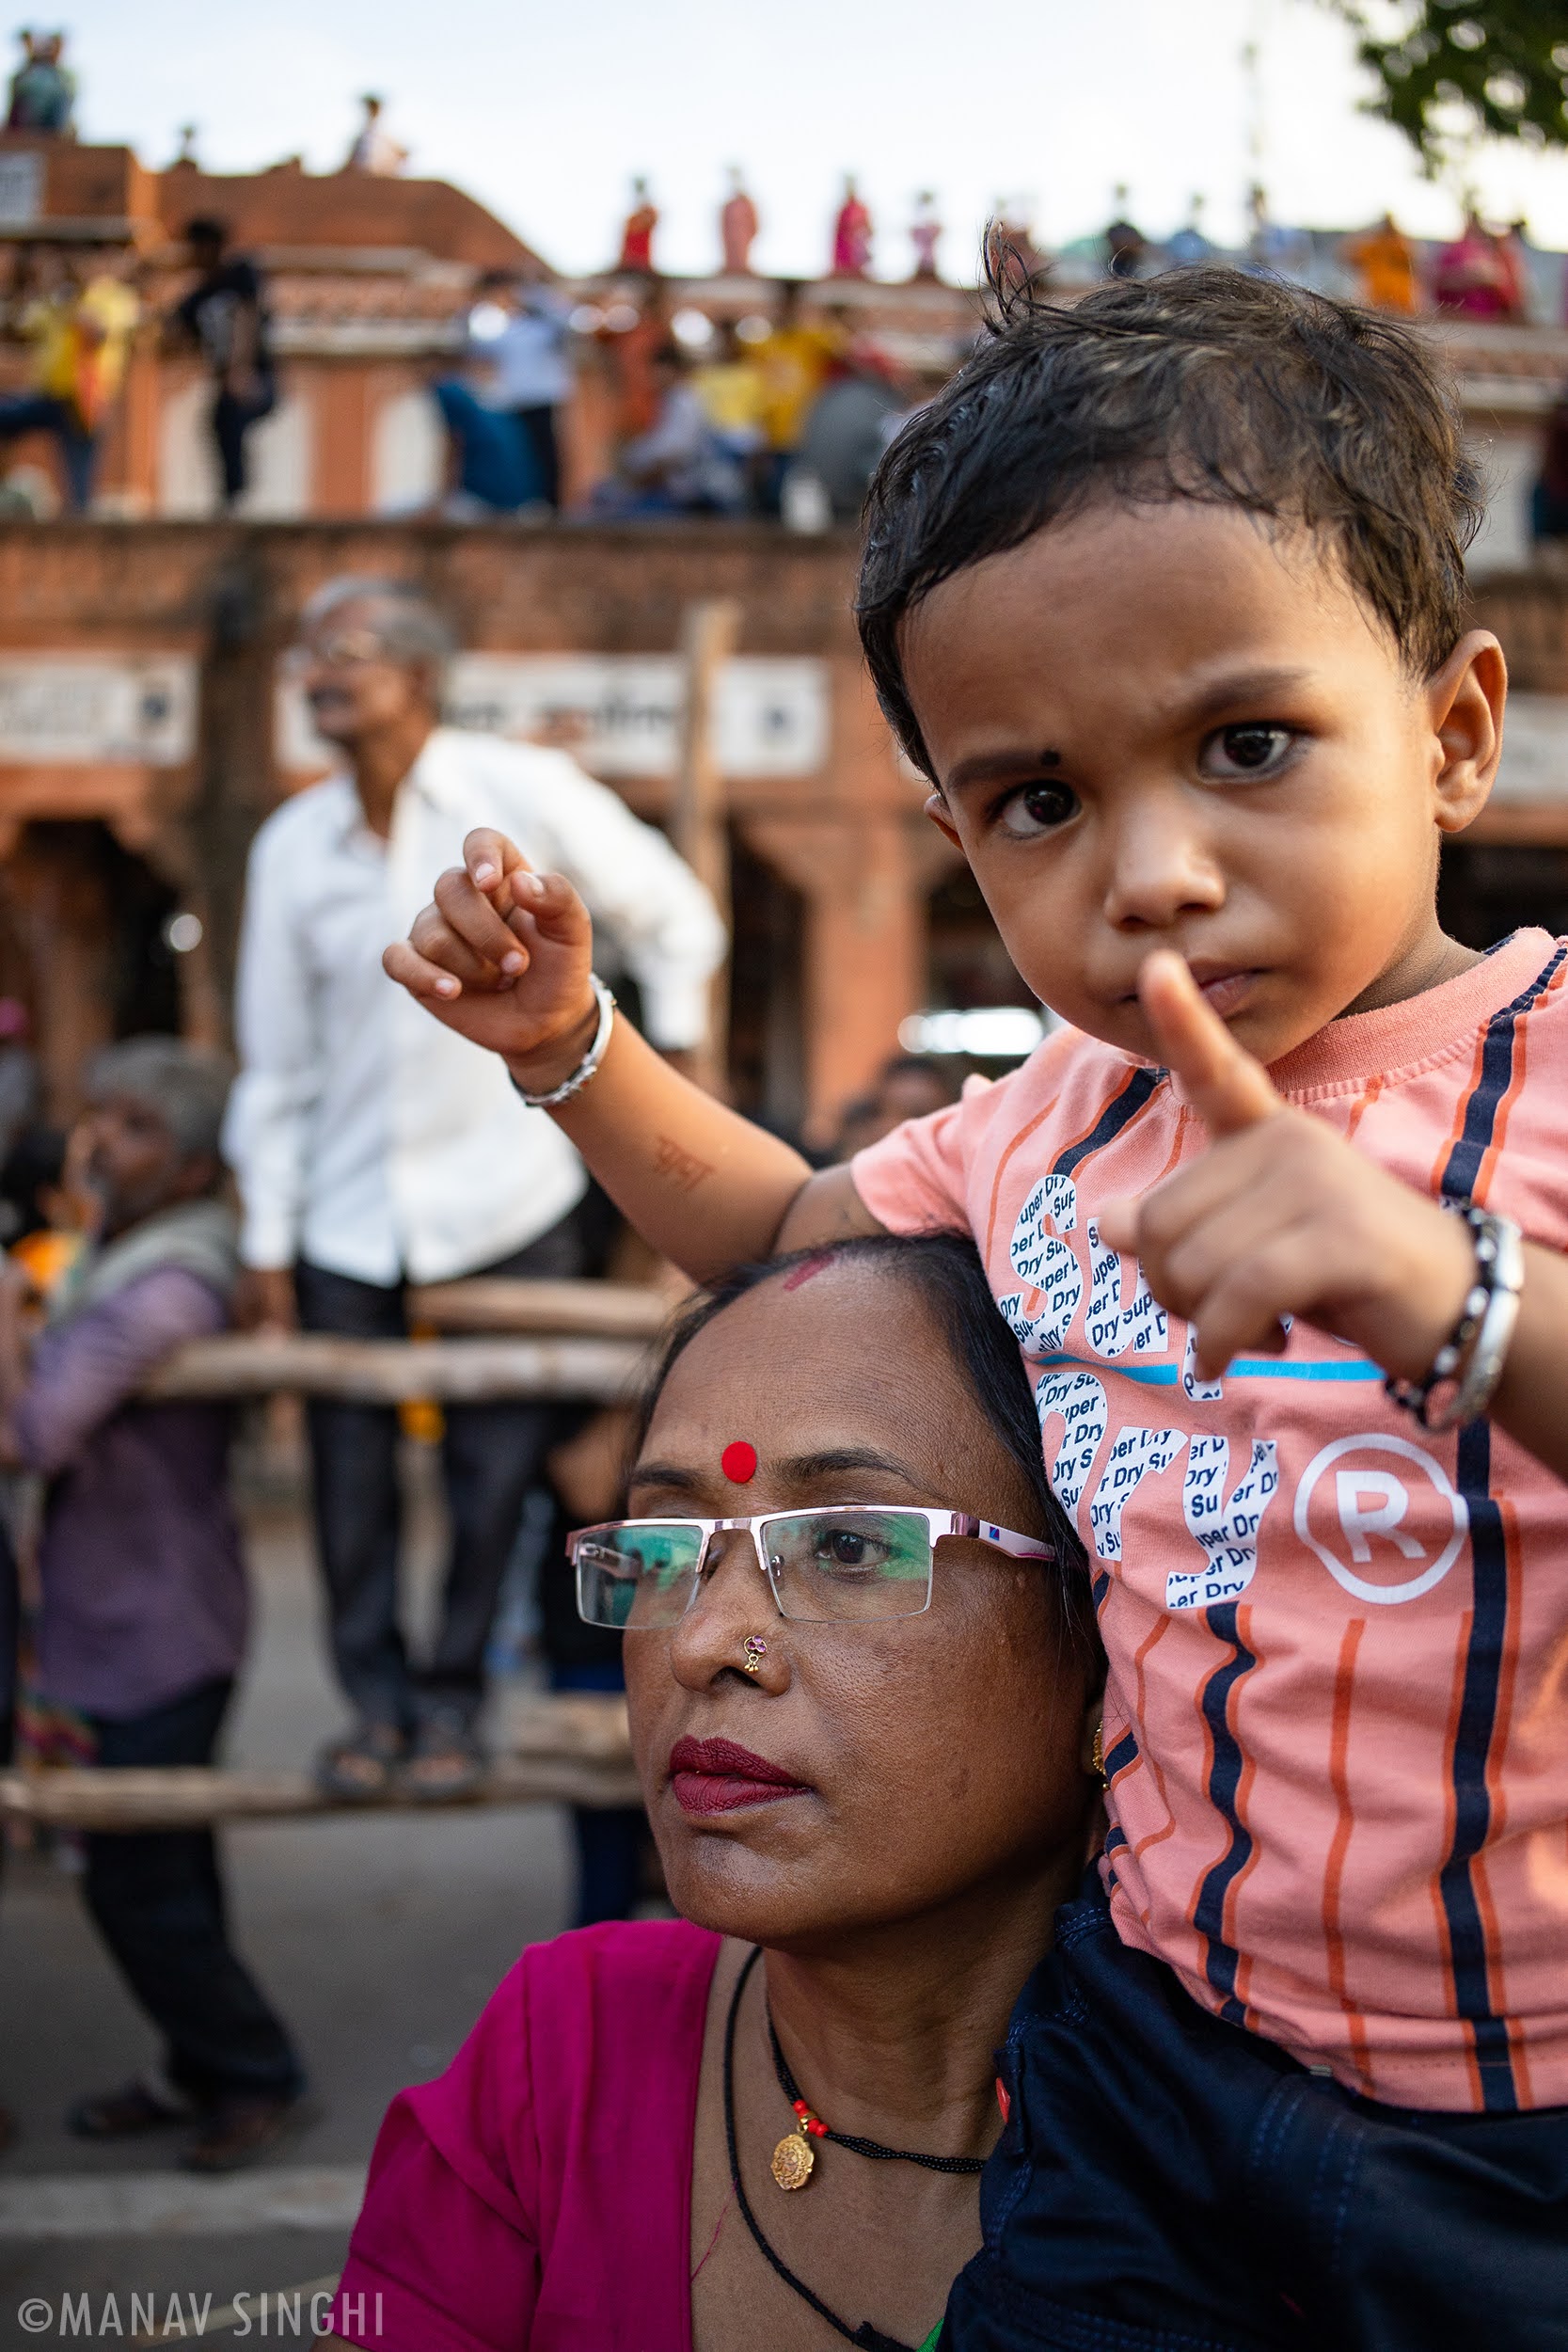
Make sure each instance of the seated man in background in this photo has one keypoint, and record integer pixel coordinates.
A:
(681, 465)
(144, 1609)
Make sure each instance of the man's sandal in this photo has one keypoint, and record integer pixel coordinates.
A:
(359, 1770)
(446, 1762)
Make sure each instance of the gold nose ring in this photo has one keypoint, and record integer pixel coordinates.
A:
(755, 1649)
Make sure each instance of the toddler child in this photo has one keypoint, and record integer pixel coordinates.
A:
(1165, 595)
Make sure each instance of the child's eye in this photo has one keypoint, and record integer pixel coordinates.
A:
(1036, 808)
(1255, 748)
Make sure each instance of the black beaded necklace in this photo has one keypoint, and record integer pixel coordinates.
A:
(870, 2339)
(810, 2126)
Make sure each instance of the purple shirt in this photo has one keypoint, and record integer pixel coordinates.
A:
(143, 1585)
(537, 2196)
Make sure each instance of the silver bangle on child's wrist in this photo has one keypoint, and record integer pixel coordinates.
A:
(588, 1066)
(1476, 1350)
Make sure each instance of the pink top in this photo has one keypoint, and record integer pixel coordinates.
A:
(1337, 1641)
(537, 2196)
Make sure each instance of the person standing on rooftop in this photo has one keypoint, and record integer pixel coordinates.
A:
(225, 316)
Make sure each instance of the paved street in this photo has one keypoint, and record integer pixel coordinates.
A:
(378, 1939)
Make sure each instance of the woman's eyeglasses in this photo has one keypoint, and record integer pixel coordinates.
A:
(855, 1560)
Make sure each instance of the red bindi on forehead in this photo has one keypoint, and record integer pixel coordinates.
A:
(738, 1462)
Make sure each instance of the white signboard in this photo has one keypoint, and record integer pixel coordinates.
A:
(20, 187)
(618, 713)
(1534, 765)
(89, 709)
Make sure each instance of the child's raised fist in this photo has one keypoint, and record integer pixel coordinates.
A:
(502, 955)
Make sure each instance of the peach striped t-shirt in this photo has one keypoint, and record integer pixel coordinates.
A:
(1337, 1711)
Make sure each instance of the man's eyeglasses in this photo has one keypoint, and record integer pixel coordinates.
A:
(350, 649)
(855, 1560)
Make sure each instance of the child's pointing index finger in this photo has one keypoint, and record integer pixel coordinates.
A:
(1227, 1088)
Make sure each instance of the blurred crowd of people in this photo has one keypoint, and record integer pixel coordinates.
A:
(78, 312)
(782, 408)
(783, 412)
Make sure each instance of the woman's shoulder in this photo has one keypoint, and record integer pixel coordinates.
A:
(613, 2011)
(614, 1972)
(582, 2034)
(493, 2189)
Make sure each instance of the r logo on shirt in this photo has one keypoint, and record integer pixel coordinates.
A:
(1384, 1505)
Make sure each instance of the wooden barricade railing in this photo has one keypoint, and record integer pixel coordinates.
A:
(566, 1750)
(578, 1342)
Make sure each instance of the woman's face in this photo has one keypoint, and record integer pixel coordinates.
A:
(928, 1757)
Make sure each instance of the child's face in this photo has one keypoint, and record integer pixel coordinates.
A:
(1160, 727)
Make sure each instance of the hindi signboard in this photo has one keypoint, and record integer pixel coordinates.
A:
(618, 713)
(71, 709)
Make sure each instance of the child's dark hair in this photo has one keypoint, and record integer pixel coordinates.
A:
(944, 1272)
(1202, 384)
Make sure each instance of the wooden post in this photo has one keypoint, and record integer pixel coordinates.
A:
(708, 634)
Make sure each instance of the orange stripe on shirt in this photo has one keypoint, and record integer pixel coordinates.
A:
(1017, 1142)
(1363, 1105)
(1334, 1870)
(1158, 1837)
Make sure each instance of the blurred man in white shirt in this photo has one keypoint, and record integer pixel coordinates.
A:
(374, 1148)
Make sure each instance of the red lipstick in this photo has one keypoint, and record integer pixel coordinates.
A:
(718, 1776)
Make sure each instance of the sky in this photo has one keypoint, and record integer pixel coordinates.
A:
(544, 111)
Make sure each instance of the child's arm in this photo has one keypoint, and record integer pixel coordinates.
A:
(1281, 1217)
(502, 956)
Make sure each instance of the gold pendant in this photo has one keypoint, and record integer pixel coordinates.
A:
(794, 2158)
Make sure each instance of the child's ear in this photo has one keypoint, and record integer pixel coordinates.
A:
(936, 809)
(1464, 702)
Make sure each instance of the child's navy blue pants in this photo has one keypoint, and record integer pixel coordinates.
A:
(1169, 2182)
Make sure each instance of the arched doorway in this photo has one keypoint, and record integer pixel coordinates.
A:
(85, 945)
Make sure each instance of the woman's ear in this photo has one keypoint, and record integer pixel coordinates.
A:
(1465, 706)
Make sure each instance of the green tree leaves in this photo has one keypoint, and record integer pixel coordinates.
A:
(1455, 69)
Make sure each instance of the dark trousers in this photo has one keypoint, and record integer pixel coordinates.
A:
(1169, 2182)
(40, 412)
(157, 1901)
(537, 427)
(232, 418)
(490, 1455)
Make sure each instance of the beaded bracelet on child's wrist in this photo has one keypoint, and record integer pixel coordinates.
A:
(1473, 1355)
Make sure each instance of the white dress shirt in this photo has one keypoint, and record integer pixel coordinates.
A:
(367, 1137)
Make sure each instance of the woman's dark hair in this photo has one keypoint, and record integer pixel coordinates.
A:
(944, 1272)
(1203, 384)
